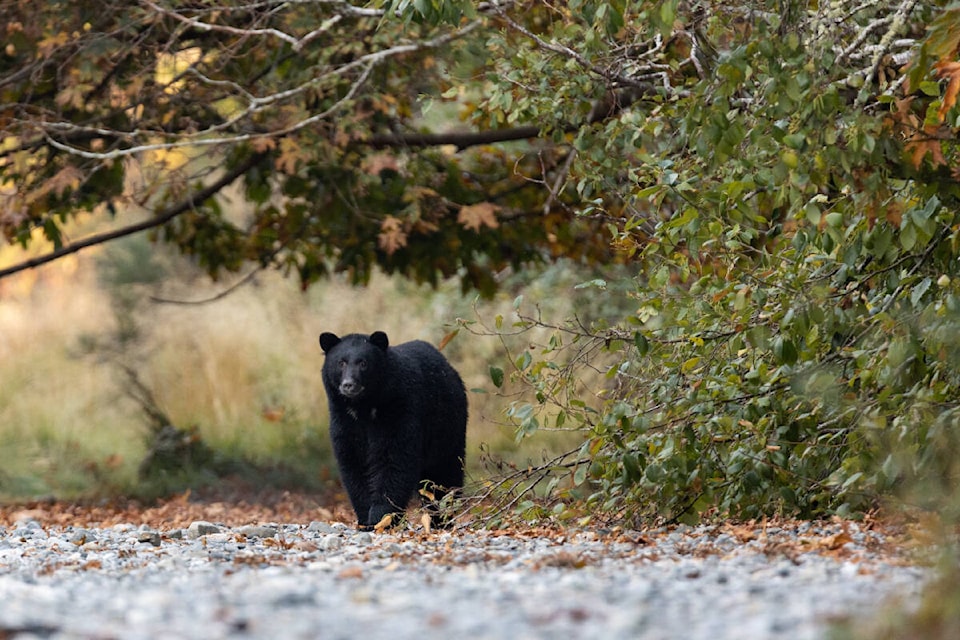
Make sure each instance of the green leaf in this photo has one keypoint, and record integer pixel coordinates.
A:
(496, 376)
(930, 88)
(598, 283)
(916, 295)
(580, 475)
(524, 360)
(785, 350)
(908, 237)
(667, 14)
(641, 343)
(795, 141)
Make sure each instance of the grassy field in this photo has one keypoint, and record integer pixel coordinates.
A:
(243, 371)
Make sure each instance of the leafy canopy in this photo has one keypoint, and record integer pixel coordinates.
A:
(327, 117)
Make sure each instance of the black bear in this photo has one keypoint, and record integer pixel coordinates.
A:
(398, 420)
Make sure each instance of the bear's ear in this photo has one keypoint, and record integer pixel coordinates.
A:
(328, 341)
(379, 339)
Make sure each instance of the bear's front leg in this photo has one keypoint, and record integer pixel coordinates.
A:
(352, 462)
(394, 480)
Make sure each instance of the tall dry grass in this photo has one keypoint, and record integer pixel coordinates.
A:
(244, 370)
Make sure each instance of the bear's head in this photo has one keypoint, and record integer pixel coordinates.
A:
(355, 364)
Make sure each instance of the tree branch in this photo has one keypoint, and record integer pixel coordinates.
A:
(461, 140)
(160, 219)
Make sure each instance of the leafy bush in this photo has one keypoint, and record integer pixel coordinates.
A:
(793, 237)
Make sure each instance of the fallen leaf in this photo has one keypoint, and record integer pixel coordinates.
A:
(351, 572)
(384, 524)
(837, 540)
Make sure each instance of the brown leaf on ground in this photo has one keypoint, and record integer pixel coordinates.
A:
(231, 504)
(837, 540)
(385, 523)
(351, 573)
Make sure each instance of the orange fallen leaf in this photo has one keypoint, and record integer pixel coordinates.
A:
(351, 572)
(426, 522)
(384, 524)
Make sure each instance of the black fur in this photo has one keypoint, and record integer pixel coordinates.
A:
(398, 419)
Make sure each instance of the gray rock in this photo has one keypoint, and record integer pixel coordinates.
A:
(322, 527)
(257, 531)
(361, 537)
(81, 537)
(199, 528)
(331, 542)
(151, 537)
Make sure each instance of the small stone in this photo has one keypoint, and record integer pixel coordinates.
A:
(221, 538)
(362, 538)
(331, 543)
(152, 537)
(81, 537)
(199, 528)
(257, 531)
(321, 527)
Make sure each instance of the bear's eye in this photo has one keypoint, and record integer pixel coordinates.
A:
(363, 364)
(343, 364)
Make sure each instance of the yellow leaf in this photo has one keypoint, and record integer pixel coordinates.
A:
(426, 522)
(479, 215)
(170, 66)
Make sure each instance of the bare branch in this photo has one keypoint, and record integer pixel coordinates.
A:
(206, 26)
(218, 296)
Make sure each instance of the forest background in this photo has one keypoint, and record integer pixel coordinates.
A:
(702, 257)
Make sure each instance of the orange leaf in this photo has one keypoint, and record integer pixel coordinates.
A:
(290, 156)
(350, 572)
(921, 147)
(479, 215)
(392, 236)
(446, 340)
(384, 524)
(948, 70)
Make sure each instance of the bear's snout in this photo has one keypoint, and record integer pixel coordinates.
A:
(350, 388)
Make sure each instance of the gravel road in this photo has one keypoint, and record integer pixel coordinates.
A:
(326, 580)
